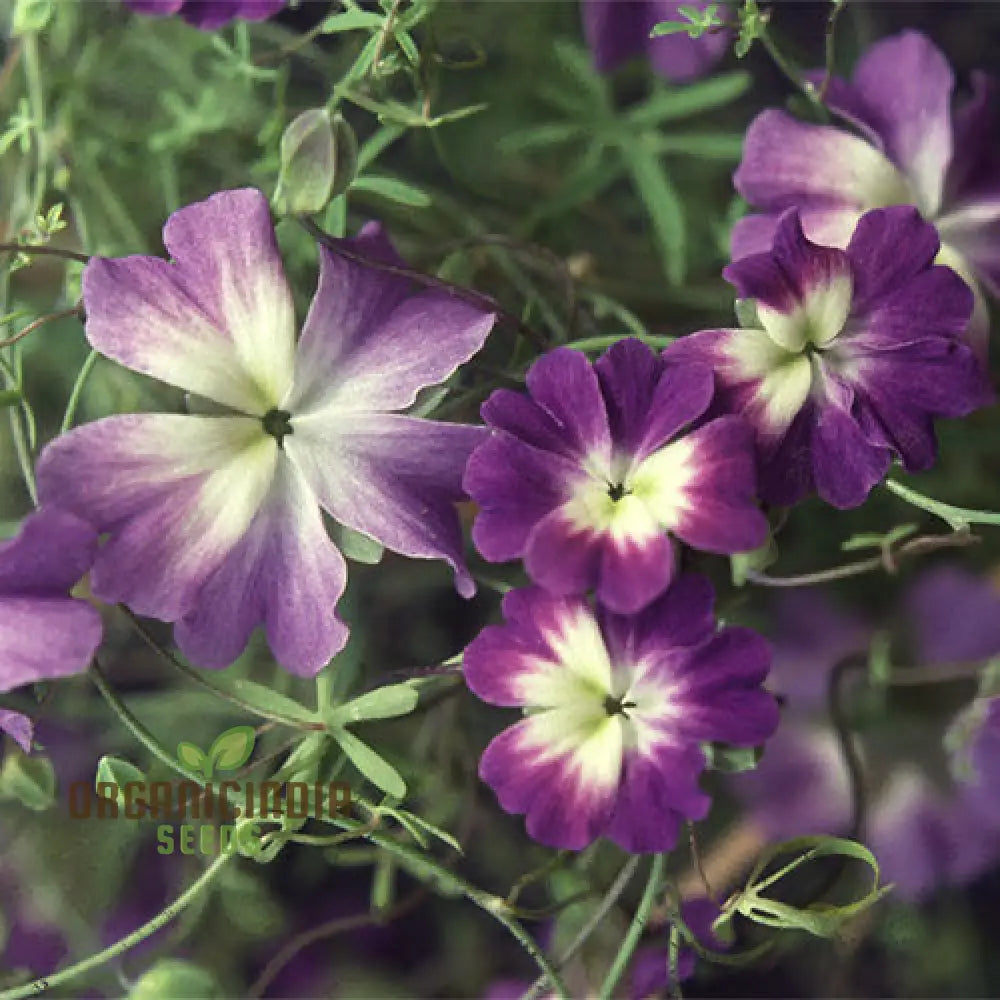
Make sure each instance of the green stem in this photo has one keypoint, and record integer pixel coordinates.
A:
(594, 921)
(673, 962)
(135, 727)
(638, 925)
(148, 929)
(195, 676)
(958, 518)
(427, 869)
(794, 77)
(74, 397)
(598, 343)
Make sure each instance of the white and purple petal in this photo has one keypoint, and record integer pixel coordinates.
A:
(649, 402)
(218, 321)
(703, 488)
(285, 574)
(372, 334)
(392, 477)
(561, 769)
(173, 493)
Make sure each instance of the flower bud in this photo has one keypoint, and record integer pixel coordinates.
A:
(319, 157)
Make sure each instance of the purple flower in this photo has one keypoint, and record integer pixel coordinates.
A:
(912, 150)
(651, 965)
(44, 633)
(617, 30)
(927, 828)
(617, 707)
(209, 14)
(852, 355)
(215, 522)
(582, 479)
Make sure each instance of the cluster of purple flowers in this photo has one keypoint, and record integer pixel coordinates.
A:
(932, 811)
(856, 337)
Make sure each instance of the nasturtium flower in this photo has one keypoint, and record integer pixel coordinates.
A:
(618, 30)
(852, 355)
(214, 522)
(44, 632)
(586, 478)
(910, 149)
(209, 14)
(617, 709)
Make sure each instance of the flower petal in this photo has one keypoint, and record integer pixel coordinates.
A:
(43, 638)
(803, 290)
(218, 321)
(561, 769)
(564, 384)
(659, 791)
(890, 247)
(703, 488)
(515, 486)
(391, 477)
(846, 466)
(52, 552)
(649, 402)
(284, 573)
(907, 84)
(682, 616)
(175, 493)
(791, 164)
(18, 727)
(549, 653)
(372, 335)
(718, 696)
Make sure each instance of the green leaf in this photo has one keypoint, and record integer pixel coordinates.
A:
(232, 748)
(374, 767)
(819, 919)
(743, 563)
(732, 760)
(191, 756)
(663, 205)
(270, 703)
(118, 772)
(351, 20)
(28, 780)
(423, 824)
(873, 540)
(540, 136)
(172, 979)
(357, 546)
(383, 703)
(392, 190)
(10, 397)
(724, 146)
(670, 28)
(670, 103)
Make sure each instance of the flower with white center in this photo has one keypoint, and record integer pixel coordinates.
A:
(44, 633)
(215, 522)
(911, 149)
(616, 708)
(588, 475)
(852, 356)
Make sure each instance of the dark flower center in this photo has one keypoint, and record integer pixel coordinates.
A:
(617, 706)
(277, 423)
(616, 491)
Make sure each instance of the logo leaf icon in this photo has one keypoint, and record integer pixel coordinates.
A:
(232, 748)
(192, 757)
